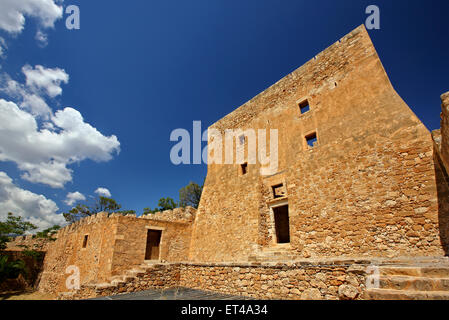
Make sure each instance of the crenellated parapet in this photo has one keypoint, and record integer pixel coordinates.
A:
(96, 218)
(28, 242)
(186, 214)
(180, 215)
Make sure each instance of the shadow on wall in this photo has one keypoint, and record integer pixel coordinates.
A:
(31, 277)
(442, 180)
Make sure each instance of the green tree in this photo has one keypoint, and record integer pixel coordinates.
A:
(163, 204)
(48, 233)
(125, 212)
(190, 195)
(150, 211)
(167, 204)
(11, 269)
(102, 204)
(13, 226)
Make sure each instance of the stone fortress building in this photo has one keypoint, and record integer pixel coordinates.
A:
(360, 182)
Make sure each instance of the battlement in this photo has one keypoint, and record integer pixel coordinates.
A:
(182, 215)
(177, 215)
(29, 242)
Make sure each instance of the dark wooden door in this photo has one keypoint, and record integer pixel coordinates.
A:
(153, 244)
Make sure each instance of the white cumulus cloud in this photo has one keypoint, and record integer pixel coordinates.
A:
(39, 82)
(44, 152)
(41, 38)
(73, 197)
(103, 192)
(34, 208)
(46, 79)
(43, 144)
(13, 13)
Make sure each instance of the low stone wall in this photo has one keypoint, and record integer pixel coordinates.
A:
(186, 214)
(28, 243)
(161, 276)
(331, 280)
(280, 281)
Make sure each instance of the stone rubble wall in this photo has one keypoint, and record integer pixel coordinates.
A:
(186, 214)
(28, 243)
(292, 281)
(159, 277)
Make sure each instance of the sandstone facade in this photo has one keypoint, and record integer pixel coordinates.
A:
(28, 243)
(367, 188)
(102, 246)
(374, 185)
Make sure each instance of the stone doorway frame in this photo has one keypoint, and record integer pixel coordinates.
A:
(154, 228)
(272, 223)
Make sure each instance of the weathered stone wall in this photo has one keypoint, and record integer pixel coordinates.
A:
(281, 281)
(441, 156)
(367, 189)
(445, 130)
(28, 242)
(130, 244)
(94, 261)
(115, 244)
(162, 276)
(307, 281)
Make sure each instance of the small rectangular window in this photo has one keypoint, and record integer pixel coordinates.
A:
(279, 191)
(312, 140)
(304, 107)
(85, 241)
(244, 169)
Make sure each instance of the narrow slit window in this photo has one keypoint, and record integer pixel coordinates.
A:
(304, 107)
(244, 169)
(312, 140)
(86, 237)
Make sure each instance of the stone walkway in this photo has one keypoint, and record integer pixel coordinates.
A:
(173, 294)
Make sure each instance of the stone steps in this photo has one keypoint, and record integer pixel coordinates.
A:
(409, 283)
(128, 275)
(417, 279)
(417, 271)
(389, 294)
(273, 255)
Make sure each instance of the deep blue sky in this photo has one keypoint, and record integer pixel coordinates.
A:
(140, 69)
